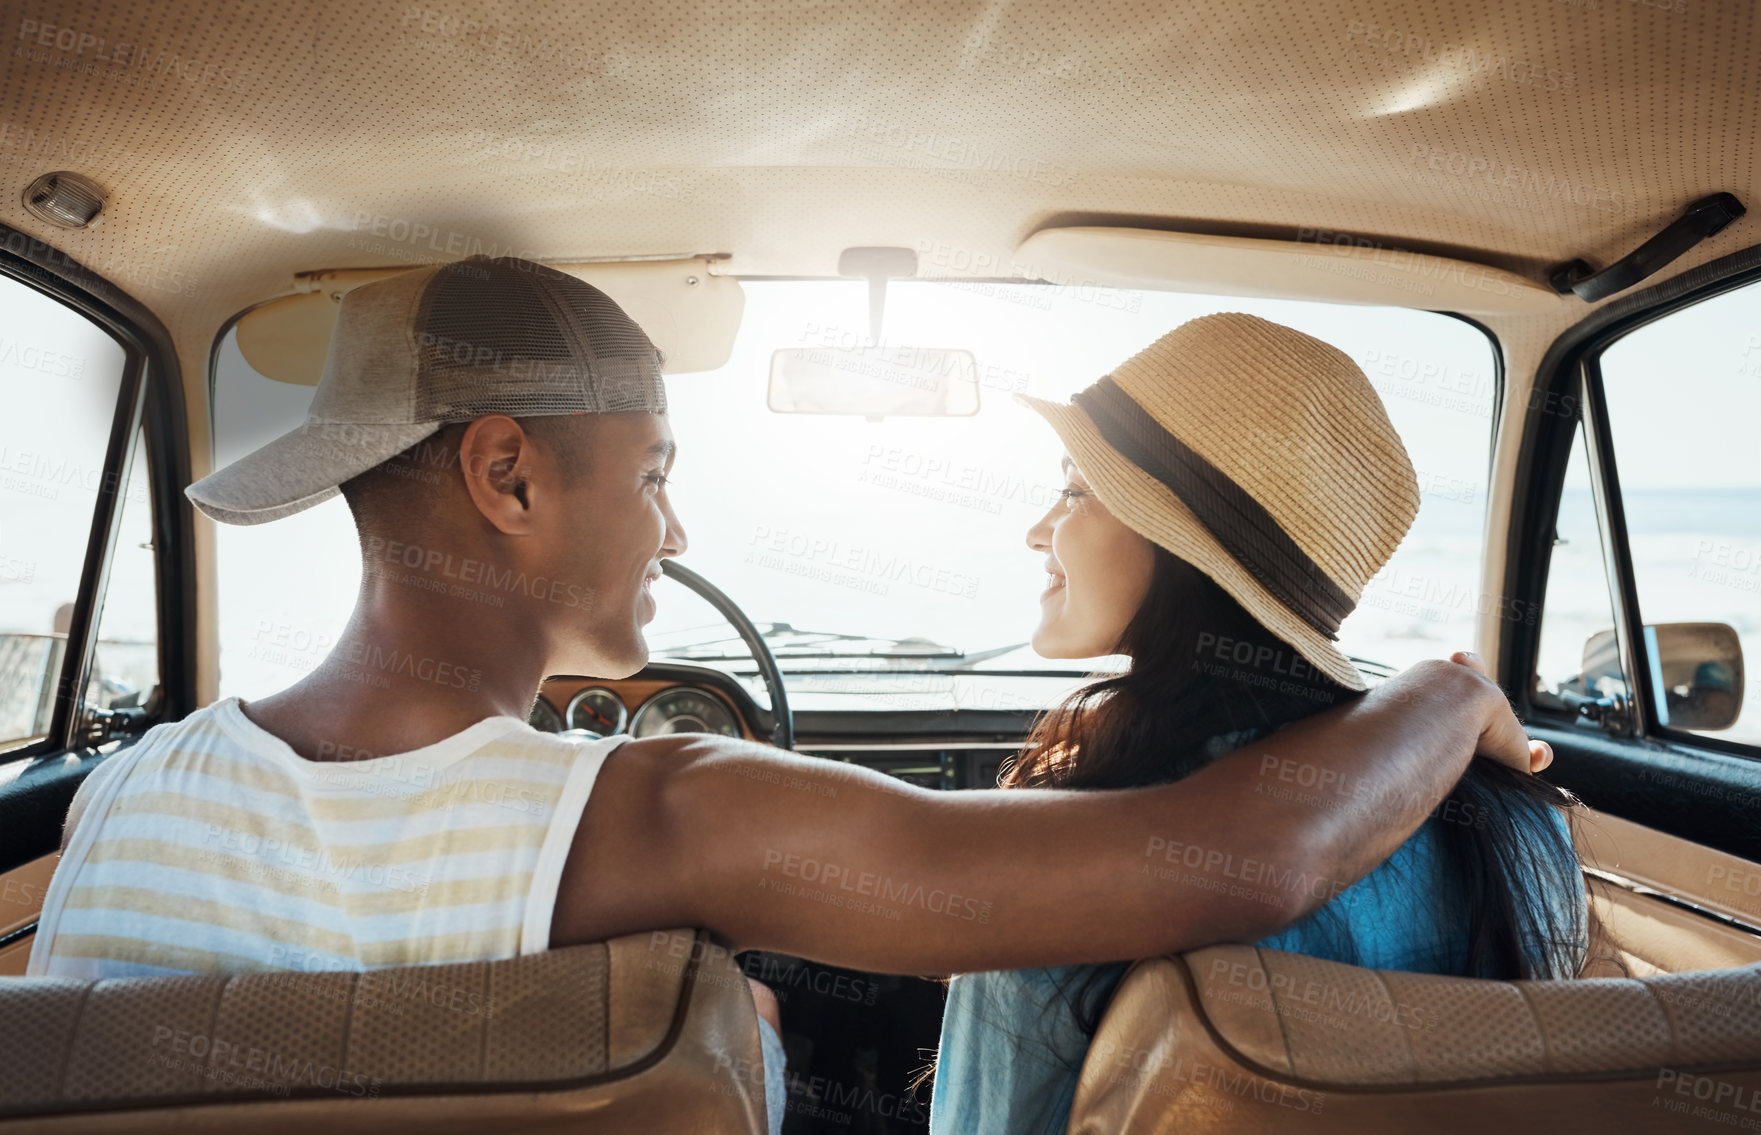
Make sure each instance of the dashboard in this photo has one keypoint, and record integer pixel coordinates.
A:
(644, 706)
(900, 725)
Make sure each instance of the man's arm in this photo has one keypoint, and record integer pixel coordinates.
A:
(847, 866)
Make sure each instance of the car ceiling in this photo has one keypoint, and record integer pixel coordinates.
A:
(241, 143)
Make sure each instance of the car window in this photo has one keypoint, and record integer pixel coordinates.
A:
(62, 375)
(1683, 398)
(1578, 661)
(909, 528)
(125, 663)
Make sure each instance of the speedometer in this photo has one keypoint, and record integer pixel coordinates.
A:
(597, 710)
(684, 709)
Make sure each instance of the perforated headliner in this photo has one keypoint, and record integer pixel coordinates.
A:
(243, 142)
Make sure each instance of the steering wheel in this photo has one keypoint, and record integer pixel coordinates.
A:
(782, 722)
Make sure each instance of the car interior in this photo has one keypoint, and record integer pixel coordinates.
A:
(854, 230)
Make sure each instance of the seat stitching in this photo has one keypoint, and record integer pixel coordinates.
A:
(605, 980)
(220, 993)
(73, 1040)
(612, 974)
(1547, 1061)
(1412, 1061)
(1271, 991)
(1668, 1019)
(348, 1021)
(483, 1025)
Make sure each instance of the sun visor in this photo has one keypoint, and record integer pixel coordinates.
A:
(691, 315)
(1325, 266)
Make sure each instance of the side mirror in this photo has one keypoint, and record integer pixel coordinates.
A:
(1696, 672)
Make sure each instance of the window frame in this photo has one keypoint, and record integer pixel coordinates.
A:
(149, 405)
(1570, 371)
(1634, 653)
(1377, 668)
(1499, 392)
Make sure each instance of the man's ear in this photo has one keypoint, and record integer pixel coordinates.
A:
(499, 462)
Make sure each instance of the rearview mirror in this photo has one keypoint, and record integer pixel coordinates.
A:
(875, 382)
(1696, 672)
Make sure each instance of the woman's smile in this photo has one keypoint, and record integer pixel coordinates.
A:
(1097, 573)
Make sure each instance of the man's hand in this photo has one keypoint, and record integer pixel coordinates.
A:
(1503, 739)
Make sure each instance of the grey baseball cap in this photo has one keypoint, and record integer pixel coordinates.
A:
(446, 343)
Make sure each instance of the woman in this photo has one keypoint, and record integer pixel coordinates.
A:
(1229, 492)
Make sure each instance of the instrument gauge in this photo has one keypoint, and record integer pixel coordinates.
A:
(545, 718)
(684, 709)
(597, 710)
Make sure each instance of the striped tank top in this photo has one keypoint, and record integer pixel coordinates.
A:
(211, 846)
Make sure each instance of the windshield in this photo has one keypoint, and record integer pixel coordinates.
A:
(899, 542)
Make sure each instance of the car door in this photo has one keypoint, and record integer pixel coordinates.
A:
(95, 622)
(1637, 539)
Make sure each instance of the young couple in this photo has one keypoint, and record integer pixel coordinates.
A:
(503, 424)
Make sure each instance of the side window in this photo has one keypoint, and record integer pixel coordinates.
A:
(280, 613)
(1437, 377)
(60, 375)
(125, 664)
(1579, 661)
(1683, 405)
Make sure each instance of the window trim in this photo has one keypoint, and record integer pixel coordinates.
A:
(1617, 555)
(1498, 405)
(150, 404)
(1569, 371)
(1628, 617)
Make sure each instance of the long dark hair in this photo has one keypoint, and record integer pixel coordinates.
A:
(1187, 698)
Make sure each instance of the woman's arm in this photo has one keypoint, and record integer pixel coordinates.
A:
(848, 866)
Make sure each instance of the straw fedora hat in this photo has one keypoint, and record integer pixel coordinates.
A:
(1259, 455)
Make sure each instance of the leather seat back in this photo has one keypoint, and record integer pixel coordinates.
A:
(1244, 1040)
(651, 1032)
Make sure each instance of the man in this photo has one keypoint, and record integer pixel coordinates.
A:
(498, 429)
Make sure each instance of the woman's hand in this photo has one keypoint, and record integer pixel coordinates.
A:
(1503, 739)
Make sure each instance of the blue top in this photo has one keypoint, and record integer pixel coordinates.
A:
(1012, 1051)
